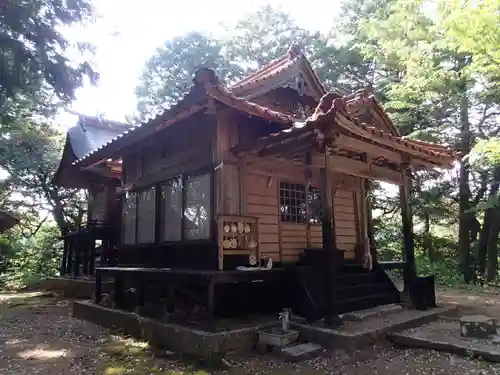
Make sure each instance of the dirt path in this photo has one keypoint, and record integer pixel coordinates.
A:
(38, 336)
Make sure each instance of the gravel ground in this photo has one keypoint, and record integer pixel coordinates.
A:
(38, 336)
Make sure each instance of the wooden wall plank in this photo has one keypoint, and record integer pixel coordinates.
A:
(261, 201)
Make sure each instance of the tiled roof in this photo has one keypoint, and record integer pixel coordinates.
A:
(206, 85)
(91, 132)
(291, 65)
(364, 100)
(221, 94)
(338, 114)
(288, 66)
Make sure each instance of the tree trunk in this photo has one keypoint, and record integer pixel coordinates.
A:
(427, 238)
(464, 231)
(494, 229)
(482, 247)
(492, 264)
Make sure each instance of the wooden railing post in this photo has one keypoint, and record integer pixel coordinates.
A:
(409, 272)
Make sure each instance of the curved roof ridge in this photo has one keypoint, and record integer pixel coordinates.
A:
(276, 62)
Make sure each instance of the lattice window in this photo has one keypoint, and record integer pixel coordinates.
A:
(292, 202)
(295, 208)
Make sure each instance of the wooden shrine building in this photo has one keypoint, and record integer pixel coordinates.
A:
(80, 244)
(274, 167)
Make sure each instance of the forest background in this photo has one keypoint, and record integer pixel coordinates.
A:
(434, 65)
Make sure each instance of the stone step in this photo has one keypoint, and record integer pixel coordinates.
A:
(378, 311)
(300, 352)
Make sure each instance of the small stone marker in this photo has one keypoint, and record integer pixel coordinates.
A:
(478, 326)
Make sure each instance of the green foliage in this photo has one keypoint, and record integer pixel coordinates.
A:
(30, 155)
(168, 74)
(472, 27)
(33, 62)
(486, 152)
(434, 65)
(29, 259)
(36, 78)
(250, 43)
(446, 271)
(264, 35)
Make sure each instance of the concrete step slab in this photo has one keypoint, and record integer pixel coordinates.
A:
(445, 336)
(358, 316)
(300, 352)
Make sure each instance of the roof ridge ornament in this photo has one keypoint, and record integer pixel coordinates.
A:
(205, 76)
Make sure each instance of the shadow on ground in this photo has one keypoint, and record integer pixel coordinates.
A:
(38, 335)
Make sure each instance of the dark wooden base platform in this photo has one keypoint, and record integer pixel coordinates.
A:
(74, 287)
(201, 294)
(210, 345)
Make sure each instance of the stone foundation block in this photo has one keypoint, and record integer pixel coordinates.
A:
(478, 326)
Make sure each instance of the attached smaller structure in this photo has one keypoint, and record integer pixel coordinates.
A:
(97, 237)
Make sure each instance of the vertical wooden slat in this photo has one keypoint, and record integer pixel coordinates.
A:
(243, 190)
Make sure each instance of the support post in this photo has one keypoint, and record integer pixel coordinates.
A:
(329, 246)
(409, 272)
(69, 264)
(64, 259)
(92, 256)
(118, 286)
(369, 217)
(98, 288)
(77, 260)
(86, 252)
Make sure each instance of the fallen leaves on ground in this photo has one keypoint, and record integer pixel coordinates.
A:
(39, 336)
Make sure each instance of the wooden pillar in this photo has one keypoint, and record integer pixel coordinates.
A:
(64, 259)
(77, 249)
(86, 253)
(70, 255)
(308, 177)
(369, 220)
(329, 246)
(409, 272)
(211, 301)
(118, 286)
(92, 256)
(98, 288)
